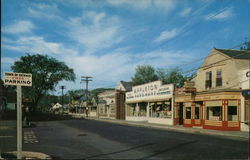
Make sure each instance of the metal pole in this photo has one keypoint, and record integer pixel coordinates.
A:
(19, 122)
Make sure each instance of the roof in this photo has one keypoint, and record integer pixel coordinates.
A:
(236, 54)
(102, 101)
(127, 85)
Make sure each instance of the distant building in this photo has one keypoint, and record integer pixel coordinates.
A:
(111, 103)
(218, 97)
(107, 104)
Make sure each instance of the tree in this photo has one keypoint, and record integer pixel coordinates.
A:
(173, 75)
(46, 73)
(246, 46)
(144, 74)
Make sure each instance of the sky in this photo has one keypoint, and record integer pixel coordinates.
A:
(107, 39)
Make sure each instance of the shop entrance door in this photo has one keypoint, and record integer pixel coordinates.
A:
(180, 113)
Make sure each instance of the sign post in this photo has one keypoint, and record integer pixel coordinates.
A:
(18, 80)
(19, 122)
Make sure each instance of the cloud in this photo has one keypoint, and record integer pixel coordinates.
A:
(222, 14)
(94, 31)
(21, 26)
(167, 5)
(7, 62)
(120, 64)
(185, 12)
(36, 44)
(44, 11)
(168, 34)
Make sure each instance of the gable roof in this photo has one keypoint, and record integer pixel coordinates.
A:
(127, 85)
(236, 54)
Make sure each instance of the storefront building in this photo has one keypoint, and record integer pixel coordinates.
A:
(106, 105)
(151, 102)
(213, 99)
(245, 98)
(111, 104)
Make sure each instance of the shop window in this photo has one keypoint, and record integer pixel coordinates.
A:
(232, 113)
(161, 110)
(112, 108)
(142, 109)
(247, 110)
(197, 112)
(130, 110)
(188, 112)
(218, 78)
(214, 113)
(208, 79)
(139, 110)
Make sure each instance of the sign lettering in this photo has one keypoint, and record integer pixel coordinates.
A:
(149, 91)
(17, 79)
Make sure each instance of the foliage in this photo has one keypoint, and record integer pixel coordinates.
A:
(47, 101)
(46, 73)
(147, 73)
(144, 74)
(246, 46)
(96, 91)
(173, 75)
(80, 93)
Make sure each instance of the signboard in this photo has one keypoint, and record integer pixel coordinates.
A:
(244, 78)
(150, 91)
(17, 79)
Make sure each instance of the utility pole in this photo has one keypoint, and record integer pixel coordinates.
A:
(86, 79)
(62, 88)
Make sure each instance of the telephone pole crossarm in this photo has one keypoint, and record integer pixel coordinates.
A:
(86, 79)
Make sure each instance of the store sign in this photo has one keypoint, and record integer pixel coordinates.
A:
(248, 74)
(17, 79)
(244, 79)
(150, 91)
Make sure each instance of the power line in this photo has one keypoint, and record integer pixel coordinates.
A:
(191, 62)
(86, 79)
(209, 65)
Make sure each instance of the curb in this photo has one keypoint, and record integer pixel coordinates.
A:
(27, 155)
(171, 128)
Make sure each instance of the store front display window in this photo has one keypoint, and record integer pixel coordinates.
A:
(161, 110)
(214, 113)
(137, 110)
(141, 110)
(232, 113)
(130, 109)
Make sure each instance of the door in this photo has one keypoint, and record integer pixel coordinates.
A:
(180, 113)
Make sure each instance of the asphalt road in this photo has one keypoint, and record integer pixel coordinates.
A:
(89, 139)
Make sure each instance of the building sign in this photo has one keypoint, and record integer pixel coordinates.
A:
(17, 79)
(244, 77)
(150, 91)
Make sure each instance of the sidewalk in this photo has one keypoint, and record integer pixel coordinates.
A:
(7, 135)
(8, 142)
(235, 134)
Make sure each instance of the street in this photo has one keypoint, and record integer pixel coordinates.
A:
(89, 139)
